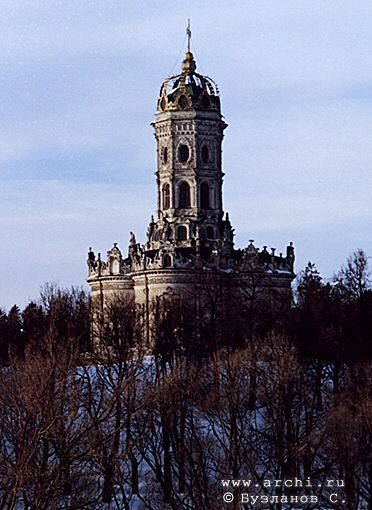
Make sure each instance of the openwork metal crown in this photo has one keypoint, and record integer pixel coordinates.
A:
(189, 90)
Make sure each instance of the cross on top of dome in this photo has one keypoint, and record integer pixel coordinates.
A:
(189, 89)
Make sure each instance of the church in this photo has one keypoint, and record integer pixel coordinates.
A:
(191, 238)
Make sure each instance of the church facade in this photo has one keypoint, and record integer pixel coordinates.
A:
(191, 238)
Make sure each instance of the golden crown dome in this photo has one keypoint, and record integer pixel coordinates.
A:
(188, 90)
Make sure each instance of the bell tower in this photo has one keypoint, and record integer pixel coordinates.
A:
(190, 242)
(189, 131)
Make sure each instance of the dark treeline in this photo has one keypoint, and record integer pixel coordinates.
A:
(56, 318)
(234, 389)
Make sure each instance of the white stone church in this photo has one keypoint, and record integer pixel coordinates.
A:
(191, 235)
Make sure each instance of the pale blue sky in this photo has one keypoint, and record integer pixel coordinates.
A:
(78, 88)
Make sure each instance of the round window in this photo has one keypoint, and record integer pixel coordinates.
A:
(182, 101)
(183, 153)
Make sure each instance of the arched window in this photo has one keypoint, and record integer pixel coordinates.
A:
(210, 233)
(114, 266)
(183, 153)
(184, 195)
(204, 196)
(205, 154)
(182, 233)
(165, 155)
(166, 196)
(167, 261)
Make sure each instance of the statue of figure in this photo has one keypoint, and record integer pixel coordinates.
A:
(218, 245)
(99, 265)
(168, 232)
(227, 232)
(150, 230)
(132, 241)
(91, 256)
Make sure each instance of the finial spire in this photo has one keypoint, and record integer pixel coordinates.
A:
(188, 32)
